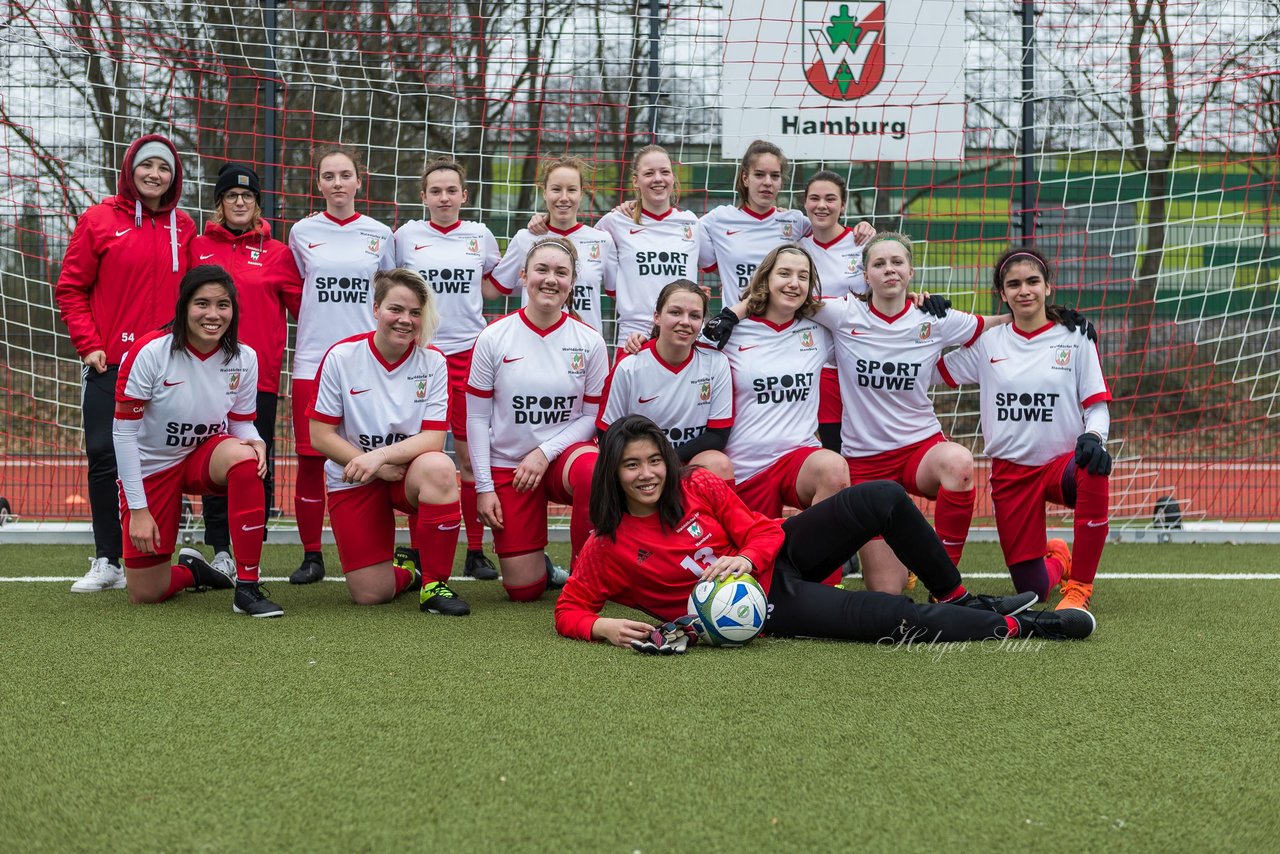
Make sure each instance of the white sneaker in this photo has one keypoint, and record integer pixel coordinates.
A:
(224, 563)
(102, 575)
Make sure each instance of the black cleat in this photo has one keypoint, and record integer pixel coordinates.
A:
(1004, 605)
(251, 599)
(479, 567)
(556, 577)
(437, 598)
(310, 570)
(410, 561)
(851, 567)
(1067, 624)
(203, 574)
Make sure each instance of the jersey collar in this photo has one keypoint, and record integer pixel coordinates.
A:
(776, 327)
(659, 217)
(389, 366)
(445, 229)
(762, 217)
(565, 232)
(841, 236)
(347, 221)
(1033, 333)
(675, 369)
(564, 316)
(886, 318)
(204, 357)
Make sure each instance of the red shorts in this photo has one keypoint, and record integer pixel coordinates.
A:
(364, 522)
(524, 514)
(830, 407)
(164, 491)
(899, 465)
(765, 492)
(301, 395)
(459, 372)
(1018, 493)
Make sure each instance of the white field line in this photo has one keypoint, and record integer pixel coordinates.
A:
(1105, 576)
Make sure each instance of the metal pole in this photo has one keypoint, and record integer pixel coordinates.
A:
(1028, 121)
(270, 146)
(655, 20)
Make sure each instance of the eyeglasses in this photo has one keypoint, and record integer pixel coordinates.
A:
(235, 197)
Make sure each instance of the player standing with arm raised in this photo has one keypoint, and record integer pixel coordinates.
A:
(119, 277)
(337, 252)
(657, 242)
(686, 389)
(561, 180)
(239, 240)
(184, 423)
(1045, 423)
(455, 257)
(536, 380)
(380, 415)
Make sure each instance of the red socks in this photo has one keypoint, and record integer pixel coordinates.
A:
(580, 471)
(953, 513)
(403, 578)
(245, 515)
(528, 593)
(180, 578)
(1093, 500)
(308, 501)
(471, 517)
(437, 539)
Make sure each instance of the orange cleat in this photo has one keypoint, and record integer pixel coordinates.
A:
(911, 580)
(1075, 594)
(1061, 552)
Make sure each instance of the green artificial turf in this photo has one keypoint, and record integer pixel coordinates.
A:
(182, 727)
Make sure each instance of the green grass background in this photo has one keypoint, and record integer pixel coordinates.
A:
(181, 727)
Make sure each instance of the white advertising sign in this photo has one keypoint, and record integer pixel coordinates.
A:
(845, 80)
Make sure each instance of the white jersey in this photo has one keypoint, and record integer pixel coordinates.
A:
(189, 396)
(1035, 388)
(597, 269)
(337, 259)
(885, 366)
(775, 390)
(684, 400)
(652, 254)
(454, 262)
(376, 403)
(732, 242)
(540, 380)
(839, 265)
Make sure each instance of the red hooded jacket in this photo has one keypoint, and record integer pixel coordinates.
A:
(120, 274)
(267, 282)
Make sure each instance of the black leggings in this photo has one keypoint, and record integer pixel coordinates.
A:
(828, 534)
(98, 410)
(216, 533)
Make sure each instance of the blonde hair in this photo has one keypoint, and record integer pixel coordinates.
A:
(220, 216)
(635, 173)
(886, 237)
(564, 245)
(385, 280)
(757, 293)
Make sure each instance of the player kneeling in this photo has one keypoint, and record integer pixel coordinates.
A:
(379, 416)
(185, 404)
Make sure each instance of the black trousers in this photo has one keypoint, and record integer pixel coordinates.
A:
(216, 533)
(97, 410)
(828, 534)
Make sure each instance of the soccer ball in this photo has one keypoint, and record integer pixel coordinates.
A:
(732, 611)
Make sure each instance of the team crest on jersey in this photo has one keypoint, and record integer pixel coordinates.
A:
(787, 230)
(704, 391)
(926, 331)
(695, 530)
(234, 382)
(688, 232)
(806, 338)
(421, 393)
(255, 255)
(577, 362)
(844, 52)
(375, 246)
(1062, 357)
(473, 246)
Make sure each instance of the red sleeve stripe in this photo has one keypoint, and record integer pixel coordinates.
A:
(719, 423)
(592, 398)
(601, 424)
(435, 425)
(977, 333)
(498, 285)
(135, 415)
(242, 416)
(1100, 397)
(946, 375)
(478, 392)
(710, 269)
(320, 416)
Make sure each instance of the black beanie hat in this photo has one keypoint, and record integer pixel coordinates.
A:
(233, 175)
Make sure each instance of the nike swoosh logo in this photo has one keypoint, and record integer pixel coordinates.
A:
(206, 257)
(358, 391)
(637, 230)
(252, 527)
(455, 526)
(856, 332)
(649, 399)
(1005, 359)
(314, 245)
(416, 247)
(732, 233)
(311, 500)
(1098, 524)
(122, 233)
(748, 347)
(953, 542)
(168, 384)
(507, 361)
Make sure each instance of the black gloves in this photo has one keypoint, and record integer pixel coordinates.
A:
(1091, 455)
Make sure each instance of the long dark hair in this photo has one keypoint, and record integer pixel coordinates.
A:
(608, 504)
(1029, 254)
(196, 278)
(755, 150)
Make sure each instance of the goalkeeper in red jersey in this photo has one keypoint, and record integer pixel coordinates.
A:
(659, 532)
(1045, 423)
